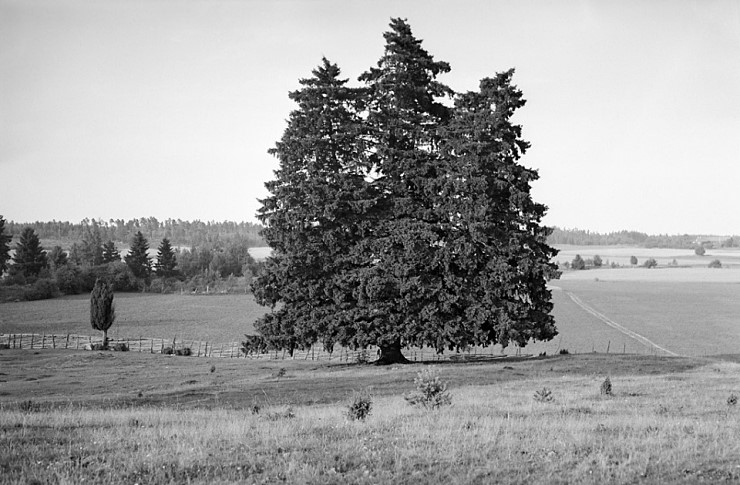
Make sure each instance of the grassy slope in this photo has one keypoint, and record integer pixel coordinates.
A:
(668, 421)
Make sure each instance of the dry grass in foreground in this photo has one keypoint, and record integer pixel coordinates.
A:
(666, 421)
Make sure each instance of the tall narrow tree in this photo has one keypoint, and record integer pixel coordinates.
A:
(138, 258)
(313, 216)
(102, 311)
(29, 258)
(111, 253)
(4, 247)
(398, 276)
(166, 260)
(496, 251)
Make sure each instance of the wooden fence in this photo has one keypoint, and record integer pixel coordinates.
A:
(232, 350)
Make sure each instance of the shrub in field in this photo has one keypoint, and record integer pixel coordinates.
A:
(431, 391)
(543, 395)
(700, 251)
(732, 400)
(650, 263)
(633, 260)
(716, 263)
(185, 351)
(42, 289)
(120, 347)
(606, 387)
(564, 352)
(578, 263)
(167, 351)
(360, 406)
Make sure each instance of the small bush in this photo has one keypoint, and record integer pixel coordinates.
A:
(360, 406)
(543, 395)
(185, 351)
(168, 351)
(120, 347)
(29, 406)
(255, 408)
(280, 373)
(732, 400)
(606, 387)
(287, 414)
(213, 368)
(431, 391)
(42, 289)
(99, 347)
(650, 263)
(716, 263)
(564, 352)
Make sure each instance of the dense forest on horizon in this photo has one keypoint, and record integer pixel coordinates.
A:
(180, 233)
(581, 237)
(199, 233)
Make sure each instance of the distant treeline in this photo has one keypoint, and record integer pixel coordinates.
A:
(180, 233)
(580, 237)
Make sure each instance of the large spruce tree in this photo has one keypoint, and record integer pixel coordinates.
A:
(314, 216)
(29, 258)
(398, 220)
(137, 258)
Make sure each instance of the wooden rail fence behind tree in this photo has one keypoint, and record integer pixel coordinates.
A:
(232, 350)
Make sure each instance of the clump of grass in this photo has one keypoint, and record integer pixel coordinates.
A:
(431, 391)
(543, 395)
(28, 406)
(360, 406)
(213, 368)
(280, 373)
(606, 387)
(277, 416)
(732, 400)
(255, 408)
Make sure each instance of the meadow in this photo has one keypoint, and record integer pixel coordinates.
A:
(70, 416)
(141, 418)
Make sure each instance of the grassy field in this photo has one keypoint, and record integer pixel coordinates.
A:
(213, 318)
(159, 419)
(729, 257)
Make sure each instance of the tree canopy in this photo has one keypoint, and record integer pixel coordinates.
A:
(397, 219)
(29, 258)
(102, 311)
(166, 260)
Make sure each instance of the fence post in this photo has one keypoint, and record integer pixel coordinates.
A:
(31, 340)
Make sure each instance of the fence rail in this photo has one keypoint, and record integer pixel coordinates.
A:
(32, 341)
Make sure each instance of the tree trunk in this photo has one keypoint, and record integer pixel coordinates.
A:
(105, 339)
(391, 354)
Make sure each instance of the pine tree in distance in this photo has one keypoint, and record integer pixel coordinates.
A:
(111, 253)
(397, 220)
(138, 258)
(4, 247)
(102, 311)
(166, 260)
(29, 258)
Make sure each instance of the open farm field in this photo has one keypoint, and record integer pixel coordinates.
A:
(212, 318)
(162, 419)
(686, 318)
(730, 257)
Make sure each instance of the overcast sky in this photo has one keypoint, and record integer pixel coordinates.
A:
(124, 109)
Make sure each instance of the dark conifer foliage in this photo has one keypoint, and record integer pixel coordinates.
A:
(5, 239)
(102, 311)
(29, 258)
(137, 258)
(111, 253)
(166, 260)
(398, 220)
(314, 216)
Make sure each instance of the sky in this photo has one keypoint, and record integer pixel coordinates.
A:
(128, 109)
